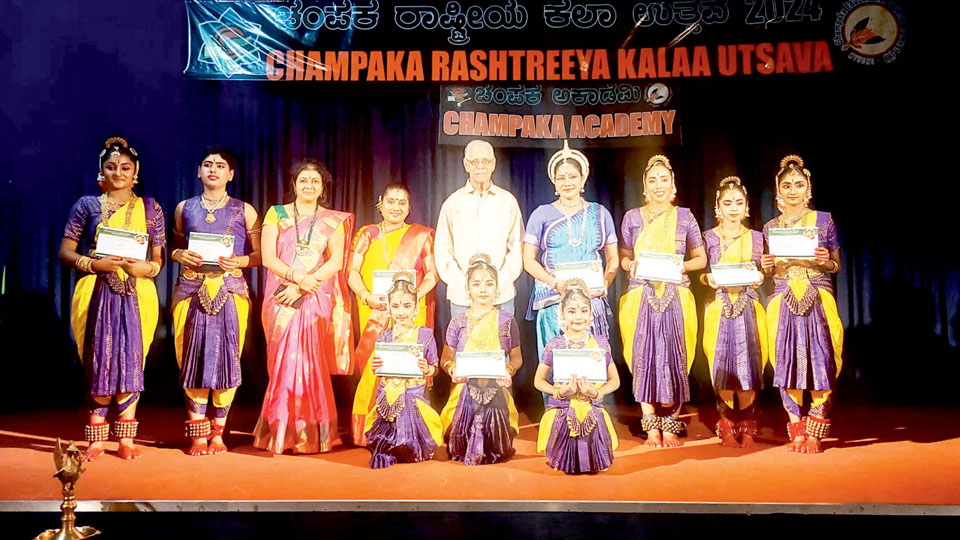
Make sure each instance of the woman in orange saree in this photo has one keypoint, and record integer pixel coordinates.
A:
(306, 317)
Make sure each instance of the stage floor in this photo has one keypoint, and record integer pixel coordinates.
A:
(881, 461)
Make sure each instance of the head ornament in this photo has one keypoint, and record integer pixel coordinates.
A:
(564, 154)
(792, 163)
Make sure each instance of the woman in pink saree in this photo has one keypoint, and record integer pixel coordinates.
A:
(306, 317)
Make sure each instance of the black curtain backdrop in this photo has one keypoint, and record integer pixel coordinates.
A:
(79, 72)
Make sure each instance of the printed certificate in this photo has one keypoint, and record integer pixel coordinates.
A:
(591, 272)
(211, 247)
(659, 267)
(383, 280)
(794, 242)
(735, 274)
(399, 360)
(480, 365)
(122, 243)
(589, 363)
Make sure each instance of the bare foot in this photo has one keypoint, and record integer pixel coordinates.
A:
(94, 451)
(746, 440)
(727, 434)
(811, 446)
(653, 439)
(217, 447)
(127, 450)
(796, 444)
(198, 447)
(671, 440)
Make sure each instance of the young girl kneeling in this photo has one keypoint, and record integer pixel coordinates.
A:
(576, 432)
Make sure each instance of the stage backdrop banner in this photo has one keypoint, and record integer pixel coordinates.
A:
(562, 41)
(608, 115)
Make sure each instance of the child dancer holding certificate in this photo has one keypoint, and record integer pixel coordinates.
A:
(734, 323)
(658, 316)
(116, 242)
(481, 354)
(805, 331)
(401, 425)
(217, 237)
(576, 432)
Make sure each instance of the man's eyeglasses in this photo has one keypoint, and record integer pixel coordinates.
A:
(485, 162)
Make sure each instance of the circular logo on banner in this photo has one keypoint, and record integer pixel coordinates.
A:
(868, 31)
(657, 94)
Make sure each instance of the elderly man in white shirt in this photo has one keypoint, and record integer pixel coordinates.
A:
(479, 217)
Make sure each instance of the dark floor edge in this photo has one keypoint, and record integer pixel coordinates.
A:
(867, 509)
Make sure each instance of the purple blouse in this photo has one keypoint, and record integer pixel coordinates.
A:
(457, 332)
(688, 236)
(561, 342)
(424, 337)
(85, 217)
(827, 237)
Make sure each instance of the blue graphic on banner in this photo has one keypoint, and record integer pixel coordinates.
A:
(231, 40)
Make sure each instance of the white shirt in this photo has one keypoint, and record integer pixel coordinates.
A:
(472, 222)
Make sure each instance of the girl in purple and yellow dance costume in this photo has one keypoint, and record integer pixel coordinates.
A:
(306, 317)
(576, 432)
(734, 323)
(658, 320)
(804, 326)
(115, 305)
(402, 427)
(480, 419)
(212, 302)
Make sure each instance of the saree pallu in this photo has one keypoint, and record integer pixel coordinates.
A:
(551, 231)
(576, 434)
(480, 418)
(402, 427)
(211, 307)
(114, 316)
(805, 333)
(406, 249)
(735, 328)
(304, 345)
(658, 321)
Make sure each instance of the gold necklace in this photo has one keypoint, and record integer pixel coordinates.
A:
(383, 242)
(203, 202)
(790, 222)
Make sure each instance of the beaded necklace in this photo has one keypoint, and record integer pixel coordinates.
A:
(383, 242)
(303, 245)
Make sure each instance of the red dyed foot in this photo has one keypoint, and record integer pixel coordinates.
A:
(811, 446)
(796, 445)
(94, 451)
(217, 447)
(653, 439)
(671, 440)
(127, 450)
(198, 447)
(746, 441)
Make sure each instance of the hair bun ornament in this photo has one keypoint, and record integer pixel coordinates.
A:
(480, 258)
(572, 284)
(731, 180)
(792, 158)
(116, 141)
(405, 276)
(658, 158)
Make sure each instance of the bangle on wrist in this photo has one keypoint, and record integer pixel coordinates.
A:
(154, 269)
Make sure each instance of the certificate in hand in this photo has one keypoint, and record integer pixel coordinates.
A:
(587, 363)
(211, 246)
(591, 272)
(122, 243)
(399, 360)
(383, 280)
(735, 274)
(793, 242)
(659, 267)
(480, 365)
